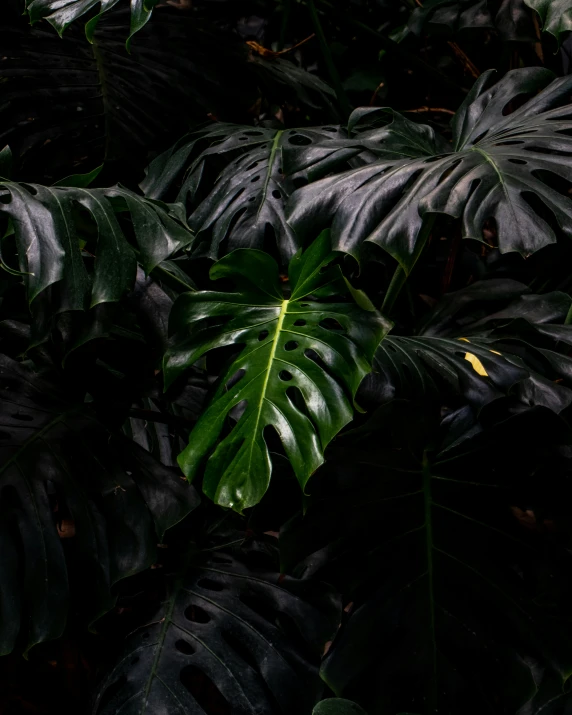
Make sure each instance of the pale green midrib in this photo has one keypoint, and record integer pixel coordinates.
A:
(428, 503)
(273, 151)
(271, 357)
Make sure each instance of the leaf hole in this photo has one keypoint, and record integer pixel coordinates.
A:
(263, 335)
(135, 660)
(291, 345)
(210, 585)
(238, 375)
(23, 418)
(251, 199)
(254, 179)
(196, 614)
(252, 166)
(299, 181)
(333, 325)
(254, 133)
(276, 194)
(204, 691)
(329, 129)
(242, 139)
(300, 323)
(285, 376)
(299, 140)
(184, 646)
(518, 161)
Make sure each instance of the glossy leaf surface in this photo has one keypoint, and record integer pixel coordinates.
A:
(298, 370)
(501, 168)
(239, 638)
(556, 15)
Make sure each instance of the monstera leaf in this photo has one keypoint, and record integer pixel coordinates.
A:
(46, 226)
(298, 370)
(510, 18)
(62, 466)
(227, 637)
(512, 169)
(449, 589)
(61, 14)
(249, 194)
(556, 15)
(68, 103)
(520, 349)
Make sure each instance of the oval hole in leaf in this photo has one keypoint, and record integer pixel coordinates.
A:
(263, 335)
(234, 379)
(254, 133)
(299, 140)
(204, 691)
(251, 199)
(184, 646)
(255, 178)
(300, 323)
(242, 139)
(329, 129)
(238, 410)
(518, 161)
(196, 614)
(145, 636)
(291, 345)
(276, 194)
(284, 375)
(251, 166)
(23, 418)
(135, 660)
(210, 585)
(333, 325)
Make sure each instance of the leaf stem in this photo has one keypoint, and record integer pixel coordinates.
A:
(343, 100)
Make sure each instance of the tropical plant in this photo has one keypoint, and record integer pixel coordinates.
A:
(285, 421)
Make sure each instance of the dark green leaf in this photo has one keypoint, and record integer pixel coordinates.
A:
(250, 192)
(290, 354)
(252, 641)
(556, 15)
(496, 163)
(59, 461)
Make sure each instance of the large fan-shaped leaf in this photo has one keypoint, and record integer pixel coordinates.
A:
(68, 103)
(247, 641)
(556, 15)
(507, 168)
(298, 371)
(58, 462)
(45, 220)
(455, 605)
(521, 349)
(249, 194)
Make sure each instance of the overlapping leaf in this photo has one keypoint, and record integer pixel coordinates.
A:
(298, 370)
(61, 465)
(512, 169)
(247, 200)
(45, 223)
(251, 641)
(61, 14)
(519, 349)
(556, 15)
(457, 594)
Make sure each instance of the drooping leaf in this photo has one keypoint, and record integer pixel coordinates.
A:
(47, 233)
(248, 197)
(456, 601)
(298, 370)
(512, 169)
(556, 15)
(510, 18)
(61, 14)
(58, 462)
(245, 640)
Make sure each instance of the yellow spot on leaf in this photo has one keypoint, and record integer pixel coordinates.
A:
(478, 366)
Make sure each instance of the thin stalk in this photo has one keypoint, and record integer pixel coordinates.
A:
(343, 100)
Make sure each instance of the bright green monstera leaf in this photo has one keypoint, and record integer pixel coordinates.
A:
(301, 364)
(556, 15)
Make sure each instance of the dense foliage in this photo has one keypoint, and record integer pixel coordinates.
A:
(286, 357)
